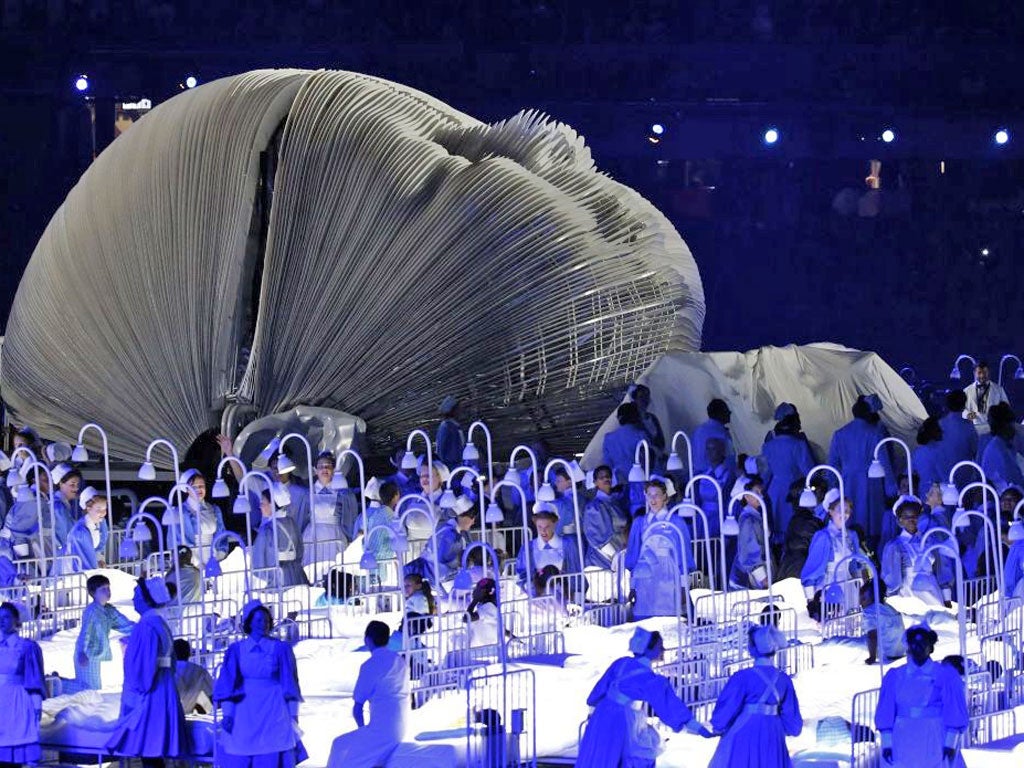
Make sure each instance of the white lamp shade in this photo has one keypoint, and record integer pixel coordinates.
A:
(1019, 373)
(170, 516)
(409, 460)
(368, 562)
(730, 526)
(808, 498)
(127, 549)
(674, 463)
(470, 453)
(636, 474)
(400, 543)
(147, 471)
(950, 495)
(493, 514)
(960, 519)
(284, 465)
(545, 492)
(220, 489)
(372, 489)
(955, 373)
(447, 500)
(687, 511)
(241, 505)
(141, 534)
(79, 454)
(576, 471)
(338, 481)
(270, 450)
(512, 475)
(876, 471)
(463, 580)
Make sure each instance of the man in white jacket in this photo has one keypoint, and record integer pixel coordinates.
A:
(982, 395)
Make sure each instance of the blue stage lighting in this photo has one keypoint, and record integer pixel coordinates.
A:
(1002, 136)
(771, 136)
(82, 83)
(191, 82)
(888, 136)
(657, 129)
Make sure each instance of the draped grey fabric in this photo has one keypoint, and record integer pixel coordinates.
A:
(411, 252)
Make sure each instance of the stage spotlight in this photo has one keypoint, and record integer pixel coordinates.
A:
(191, 82)
(888, 136)
(1002, 136)
(82, 83)
(771, 136)
(657, 129)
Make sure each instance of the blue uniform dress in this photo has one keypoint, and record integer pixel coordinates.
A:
(559, 552)
(1013, 570)
(755, 712)
(258, 687)
(450, 442)
(959, 441)
(86, 543)
(327, 525)
(450, 544)
(289, 545)
(202, 522)
(617, 734)
(999, 461)
(21, 690)
(604, 526)
(788, 458)
(618, 450)
(22, 522)
(712, 428)
(379, 542)
(899, 560)
(152, 722)
(706, 497)
(851, 452)
(94, 643)
(749, 569)
(827, 549)
(930, 466)
(921, 710)
(653, 574)
(65, 517)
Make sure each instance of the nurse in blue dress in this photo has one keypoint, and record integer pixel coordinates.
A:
(617, 735)
(757, 709)
(258, 693)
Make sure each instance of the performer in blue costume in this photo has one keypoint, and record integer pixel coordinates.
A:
(604, 522)
(655, 577)
(93, 644)
(852, 451)
(617, 734)
(87, 539)
(21, 690)
(757, 709)
(788, 458)
(922, 708)
(152, 724)
(547, 549)
(258, 693)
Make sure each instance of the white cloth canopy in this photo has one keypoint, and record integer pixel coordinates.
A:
(822, 380)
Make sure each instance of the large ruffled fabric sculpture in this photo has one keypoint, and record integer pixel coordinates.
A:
(285, 238)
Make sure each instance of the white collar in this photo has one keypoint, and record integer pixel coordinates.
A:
(555, 543)
(319, 487)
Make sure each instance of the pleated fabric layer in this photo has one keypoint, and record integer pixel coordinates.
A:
(412, 252)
